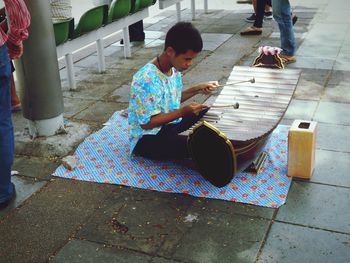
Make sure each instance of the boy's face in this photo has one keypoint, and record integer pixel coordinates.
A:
(183, 61)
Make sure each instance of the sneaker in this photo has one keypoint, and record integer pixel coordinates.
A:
(287, 59)
(251, 19)
(268, 15)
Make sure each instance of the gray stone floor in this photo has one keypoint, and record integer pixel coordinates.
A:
(71, 221)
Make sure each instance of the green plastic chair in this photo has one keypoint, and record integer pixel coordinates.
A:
(118, 9)
(137, 5)
(91, 20)
(62, 30)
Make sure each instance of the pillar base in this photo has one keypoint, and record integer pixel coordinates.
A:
(46, 127)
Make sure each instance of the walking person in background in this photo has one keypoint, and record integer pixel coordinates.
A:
(282, 13)
(10, 47)
(265, 9)
(260, 13)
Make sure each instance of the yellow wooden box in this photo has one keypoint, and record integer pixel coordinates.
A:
(301, 148)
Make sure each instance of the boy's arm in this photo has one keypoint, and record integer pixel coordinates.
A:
(203, 88)
(164, 118)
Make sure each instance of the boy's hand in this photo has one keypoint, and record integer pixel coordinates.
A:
(207, 87)
(193, 108)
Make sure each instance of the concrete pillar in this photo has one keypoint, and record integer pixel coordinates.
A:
(38, 74)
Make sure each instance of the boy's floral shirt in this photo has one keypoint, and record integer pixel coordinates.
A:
(152, 92)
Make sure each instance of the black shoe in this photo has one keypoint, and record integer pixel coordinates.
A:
(4, 204)
(294, 19)
(134, 39)
(251, 19)
(268, 15)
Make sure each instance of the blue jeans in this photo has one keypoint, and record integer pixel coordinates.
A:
(282, 15)
(6, 128)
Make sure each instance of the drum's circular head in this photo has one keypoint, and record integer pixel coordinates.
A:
(213, 154)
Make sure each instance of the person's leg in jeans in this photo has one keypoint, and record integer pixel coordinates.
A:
(282, 15)
(6, 129)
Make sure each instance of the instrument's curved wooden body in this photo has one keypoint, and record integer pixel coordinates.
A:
(261, 107)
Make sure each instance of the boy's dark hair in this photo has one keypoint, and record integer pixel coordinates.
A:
(182, 37)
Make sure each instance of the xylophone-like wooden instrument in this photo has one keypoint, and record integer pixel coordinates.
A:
(263, 96)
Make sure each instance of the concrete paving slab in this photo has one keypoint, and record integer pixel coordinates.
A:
(311, 84)
(231, 208)
(308, 90)
(73, 106)
(333, 112)
(139, 220)
(100, 111)
(342, 63)
(213, 41)
(313, 63)
(297, 35)
(316, 205)
(339, 78)
(56, 145)
(25, 187)
(326, 34)
(136, 61)
(48, 219)
(20, 124)
(81, 251)
(81, 74)
(328, 52)
(333, 137)
(121, 94)
(162, 260)
(89, 91)
(38, 168)
(222, 238)
(290, 243)
(301, 109)
(337, 93)
(335, 17)
(332, 168)
(112, 49)
(154, 34)
(158, 43)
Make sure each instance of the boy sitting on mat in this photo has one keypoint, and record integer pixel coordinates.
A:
(155, 114)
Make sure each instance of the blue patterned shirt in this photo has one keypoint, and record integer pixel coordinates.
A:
(152, 92)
